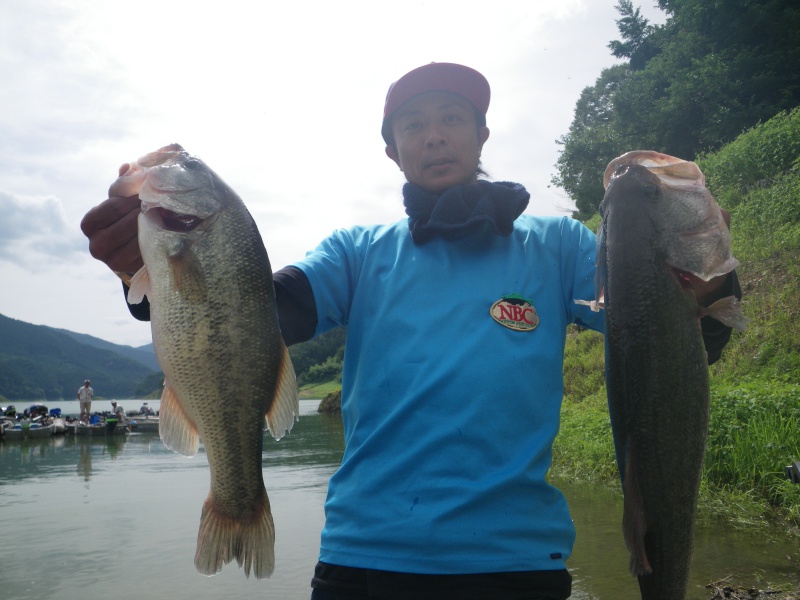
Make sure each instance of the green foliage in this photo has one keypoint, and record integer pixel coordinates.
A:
(330, 370)
(584, 448)
(317, 351)
(312, 390)
(592, 142)
(633, 28)
(754, 159)
(754, 432)
(757, 178)
(584, 359)
(695, 83)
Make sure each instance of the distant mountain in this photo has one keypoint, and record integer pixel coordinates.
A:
(44, 363)
(143, 354)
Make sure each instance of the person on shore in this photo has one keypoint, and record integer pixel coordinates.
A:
(85, 395)
(453, 372)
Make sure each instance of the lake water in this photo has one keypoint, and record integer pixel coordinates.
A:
(117, 517)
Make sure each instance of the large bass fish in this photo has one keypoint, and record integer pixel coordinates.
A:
(660, 228)
(215, 331)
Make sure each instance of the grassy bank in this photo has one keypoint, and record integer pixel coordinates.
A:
(319, 390)
(754, 432)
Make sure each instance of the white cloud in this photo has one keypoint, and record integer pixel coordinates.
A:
(35, 234)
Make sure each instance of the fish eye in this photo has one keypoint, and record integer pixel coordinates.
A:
(192, 164)
(651, 191)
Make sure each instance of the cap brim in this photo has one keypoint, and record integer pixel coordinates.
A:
(444, 77)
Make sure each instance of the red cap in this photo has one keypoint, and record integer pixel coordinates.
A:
(444, 77)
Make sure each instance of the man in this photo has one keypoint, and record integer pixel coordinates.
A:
(119, 414)
(452, 378)
(85, 395)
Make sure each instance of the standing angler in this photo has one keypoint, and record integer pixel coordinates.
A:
(452, 381)
(215, 332)
(660, 229)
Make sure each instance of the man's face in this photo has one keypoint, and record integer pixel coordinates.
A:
(437, 141)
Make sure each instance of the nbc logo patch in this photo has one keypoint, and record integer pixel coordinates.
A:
(515, 312)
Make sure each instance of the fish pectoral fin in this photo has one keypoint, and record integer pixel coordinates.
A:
(222, 538)
(728, 311)
(177, 432)
(285, 406)
(598, 303)
(186, 274)
(634, 524)
(140, 286)
(594, 305)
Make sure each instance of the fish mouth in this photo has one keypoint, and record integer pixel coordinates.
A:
(173, 221)
(685, 279)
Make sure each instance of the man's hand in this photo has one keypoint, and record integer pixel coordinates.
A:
(113, 234)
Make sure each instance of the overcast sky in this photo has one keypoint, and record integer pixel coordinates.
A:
(283, 100)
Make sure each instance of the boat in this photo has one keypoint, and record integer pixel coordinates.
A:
(98, 428)
(37, 430)
(59, 425)
(145, 424)
(87, 428)
(22, 431)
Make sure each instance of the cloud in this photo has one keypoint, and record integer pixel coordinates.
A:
(35, 233)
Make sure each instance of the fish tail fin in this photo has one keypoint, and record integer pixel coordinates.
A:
(634, 524)
(728, 311)
(285, 407)
(221, 539)
(140, 286)
(177, 432)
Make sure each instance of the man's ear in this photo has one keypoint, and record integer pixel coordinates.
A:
(391, 152)
(483, 135)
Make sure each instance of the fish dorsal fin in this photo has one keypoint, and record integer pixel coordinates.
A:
(177, 432)
(285, 407)
(140, 286)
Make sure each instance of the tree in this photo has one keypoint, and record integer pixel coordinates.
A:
(721, 68)
(713, 70)
(592, 142)
(636, 31)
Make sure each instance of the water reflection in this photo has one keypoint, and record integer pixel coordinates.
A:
(85, 462)
(34, 458)
(599, 564)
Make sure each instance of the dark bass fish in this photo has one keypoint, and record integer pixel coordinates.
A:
(660, 228)
(215, 332)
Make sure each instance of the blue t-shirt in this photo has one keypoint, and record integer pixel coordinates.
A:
(450, 413)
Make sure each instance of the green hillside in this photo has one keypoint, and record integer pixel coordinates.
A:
(42, 363)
